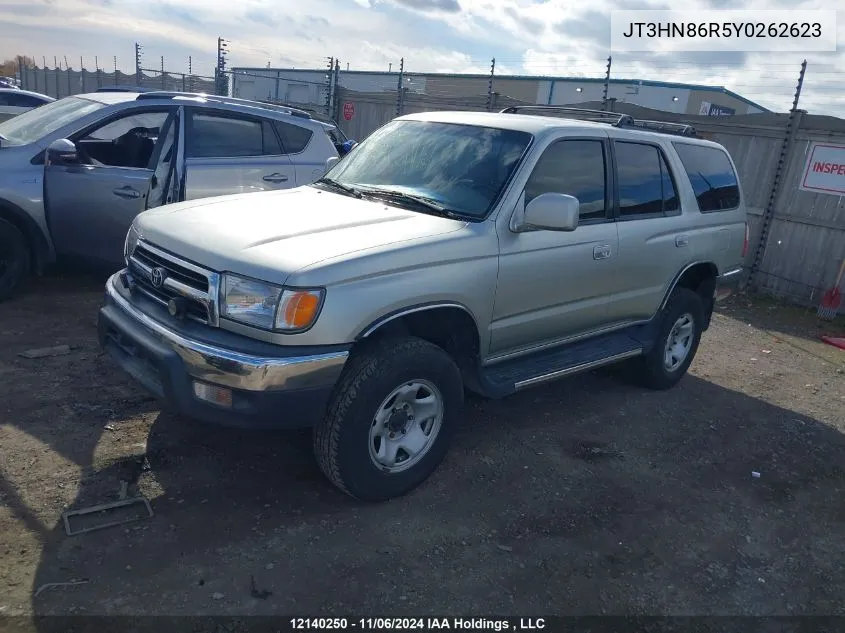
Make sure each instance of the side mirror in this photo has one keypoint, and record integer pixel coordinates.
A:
(62, 152)
(552, 212)
(330, 162)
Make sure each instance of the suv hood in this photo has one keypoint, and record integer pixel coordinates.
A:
(270, 235)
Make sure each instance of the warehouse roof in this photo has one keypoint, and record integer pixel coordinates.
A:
(598, 80)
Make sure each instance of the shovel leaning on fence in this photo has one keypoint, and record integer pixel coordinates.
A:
(832, 299)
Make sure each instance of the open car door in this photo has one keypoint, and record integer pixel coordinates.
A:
(97, 183)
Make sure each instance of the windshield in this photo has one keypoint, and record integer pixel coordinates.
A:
(39, 122)
(463, 168)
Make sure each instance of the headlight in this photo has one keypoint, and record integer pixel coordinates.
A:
(268, 306)
(130, 243)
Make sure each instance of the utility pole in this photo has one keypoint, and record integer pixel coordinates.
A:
(163, 84)
(115, 70)
(137, 64)
(190, 75)
(793, 122)
(335, 82)
(328, 102)
(222, 83)
(400, 89)
(606, 85)
(490, 84)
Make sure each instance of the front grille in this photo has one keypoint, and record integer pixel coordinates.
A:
(177, 278)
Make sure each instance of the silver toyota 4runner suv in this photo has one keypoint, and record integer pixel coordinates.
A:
(449, 251)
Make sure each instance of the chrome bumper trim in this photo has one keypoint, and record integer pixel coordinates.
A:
(234, 369)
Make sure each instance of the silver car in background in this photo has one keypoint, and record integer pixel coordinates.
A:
(14, 101)
(74, 173)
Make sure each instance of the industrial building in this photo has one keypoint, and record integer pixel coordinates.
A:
(309, 86)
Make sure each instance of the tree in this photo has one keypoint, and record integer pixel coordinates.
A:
(9, 68)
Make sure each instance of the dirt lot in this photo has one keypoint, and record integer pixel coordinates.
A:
(664, 518)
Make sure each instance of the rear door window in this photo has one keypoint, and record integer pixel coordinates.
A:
(646, 187)
(230, 136)
(712, 177)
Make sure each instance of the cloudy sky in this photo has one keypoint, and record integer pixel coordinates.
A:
(546, 37)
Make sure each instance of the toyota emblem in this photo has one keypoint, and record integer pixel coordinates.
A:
(157, 277)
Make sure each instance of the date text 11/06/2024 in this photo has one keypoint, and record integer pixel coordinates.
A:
(418, 624)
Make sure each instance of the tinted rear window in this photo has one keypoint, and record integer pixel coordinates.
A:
(294, 138)
(712, 177)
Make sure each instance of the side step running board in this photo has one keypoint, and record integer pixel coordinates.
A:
(577, 369)
(504, 378)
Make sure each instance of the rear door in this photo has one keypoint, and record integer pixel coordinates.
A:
(655, 238)
(91, 203)
(230, 152)
(307, 150)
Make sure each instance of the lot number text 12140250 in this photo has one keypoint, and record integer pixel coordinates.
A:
(418, 624)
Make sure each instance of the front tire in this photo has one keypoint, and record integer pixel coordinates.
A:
(390, 419)
(679, 333)
(15, 259)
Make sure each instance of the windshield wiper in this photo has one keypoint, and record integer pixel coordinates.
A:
(352, 191)
(420, 201)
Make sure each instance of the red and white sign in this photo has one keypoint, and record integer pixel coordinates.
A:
(825, 169)
(348, 110)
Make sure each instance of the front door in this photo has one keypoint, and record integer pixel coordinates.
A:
(554, 284)
(229, 152)
(91, 204)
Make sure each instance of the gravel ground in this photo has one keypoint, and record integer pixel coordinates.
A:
(587, 496)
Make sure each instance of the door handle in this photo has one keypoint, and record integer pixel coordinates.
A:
(276, 178)
(681, 241)
(602, 251)
(127, 192)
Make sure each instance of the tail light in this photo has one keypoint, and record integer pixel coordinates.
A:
(745, 243)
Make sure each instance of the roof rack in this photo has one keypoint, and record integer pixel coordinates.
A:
(681, 129)
(615, 119)
(166, 94)
(596, 116)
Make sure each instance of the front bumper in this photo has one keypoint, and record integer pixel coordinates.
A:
(727, 283)
(271, 386)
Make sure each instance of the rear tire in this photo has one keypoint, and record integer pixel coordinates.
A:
(405, 388)
(15, 259)
(679, 333)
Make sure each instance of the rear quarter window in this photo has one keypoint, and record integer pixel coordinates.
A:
(294, 138)
(712, 177)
